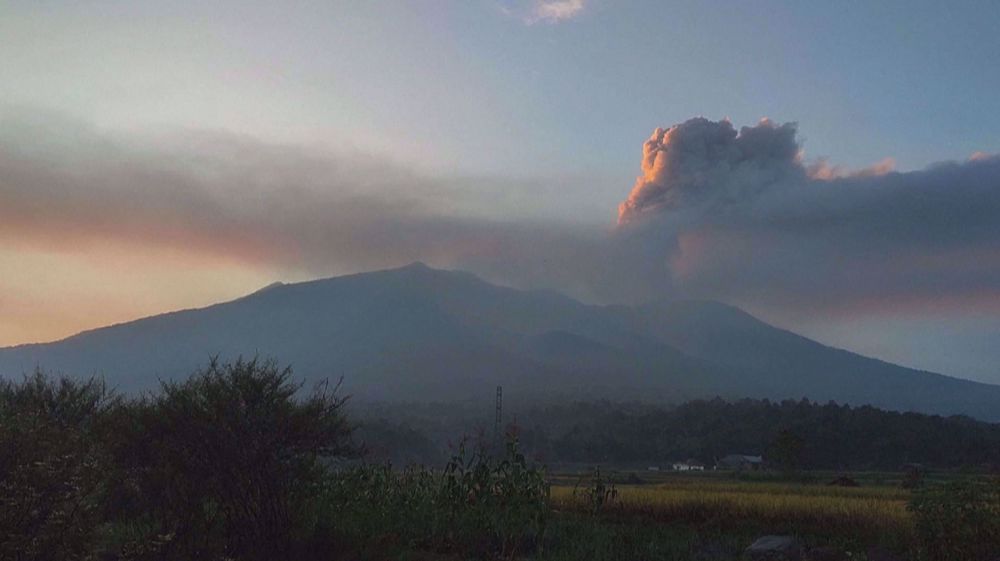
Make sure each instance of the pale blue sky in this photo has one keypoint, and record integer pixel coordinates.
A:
(464, 85)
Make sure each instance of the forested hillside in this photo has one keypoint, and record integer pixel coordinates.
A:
(805, 433)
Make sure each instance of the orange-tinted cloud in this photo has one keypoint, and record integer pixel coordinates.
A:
(225, 198)
(702, 162)
(822, 170)
(717, 213)
(204, 202)
(740, 217)
(46, 296)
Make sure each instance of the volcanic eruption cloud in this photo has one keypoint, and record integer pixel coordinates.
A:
(740, 216)
(700, 161)
(734, 215)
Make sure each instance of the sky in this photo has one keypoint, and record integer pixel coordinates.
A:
(828, 166)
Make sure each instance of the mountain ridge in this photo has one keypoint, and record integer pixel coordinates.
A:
(421, 333)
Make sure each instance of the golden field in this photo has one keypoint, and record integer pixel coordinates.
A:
(815, 509)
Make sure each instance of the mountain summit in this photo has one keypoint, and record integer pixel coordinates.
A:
(421, 334)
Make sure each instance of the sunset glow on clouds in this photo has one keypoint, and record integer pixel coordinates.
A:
(740, 217)
(702, 162)
(717, 213)
(166, 222)
(823, 170)
(156, 156)
(48, 295)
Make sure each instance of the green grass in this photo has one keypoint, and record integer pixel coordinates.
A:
(673, 517)
(577, 537)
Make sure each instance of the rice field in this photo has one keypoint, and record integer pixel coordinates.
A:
(842, 513)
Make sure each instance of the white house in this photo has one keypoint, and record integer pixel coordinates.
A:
(689, 465)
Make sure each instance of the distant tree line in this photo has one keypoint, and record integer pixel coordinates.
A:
(832, 436)
(800, 434)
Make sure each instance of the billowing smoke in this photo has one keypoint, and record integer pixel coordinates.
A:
(702, 162)
(735, 215)
(740, 216)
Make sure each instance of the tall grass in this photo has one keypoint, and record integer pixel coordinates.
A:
(478, 506)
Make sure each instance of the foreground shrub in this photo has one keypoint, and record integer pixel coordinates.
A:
(597, 492)
(224, 464)
(959, 521)
(52, 467)
(477, 506)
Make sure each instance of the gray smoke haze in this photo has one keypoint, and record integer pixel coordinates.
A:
(739, 216)
(707, 163)
(717, 213)
(65, 186)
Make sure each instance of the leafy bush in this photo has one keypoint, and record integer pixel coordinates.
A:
(504, 501)
(223, 464)
(958, 521)
(51, 467)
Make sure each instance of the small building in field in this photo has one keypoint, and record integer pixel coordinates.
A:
(740, 462)
(689, 465)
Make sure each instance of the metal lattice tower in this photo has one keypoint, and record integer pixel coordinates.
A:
(498, 423)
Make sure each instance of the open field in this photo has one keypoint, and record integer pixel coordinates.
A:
(849, 517)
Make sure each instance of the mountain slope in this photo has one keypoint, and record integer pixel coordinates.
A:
(785, 364)
(422, 334)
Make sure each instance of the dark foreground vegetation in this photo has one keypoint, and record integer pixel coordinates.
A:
(240, 462)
